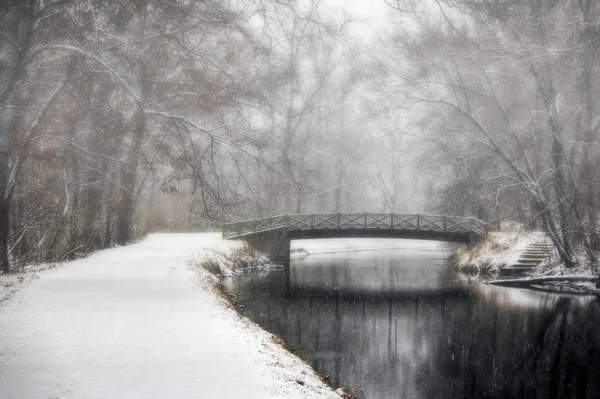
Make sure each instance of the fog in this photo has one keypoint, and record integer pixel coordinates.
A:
(120, 118)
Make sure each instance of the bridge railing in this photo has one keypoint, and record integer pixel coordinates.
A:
(340, 220)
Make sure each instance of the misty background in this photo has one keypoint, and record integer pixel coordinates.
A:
(120, 118)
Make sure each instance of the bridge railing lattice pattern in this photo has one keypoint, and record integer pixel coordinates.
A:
(315, 221)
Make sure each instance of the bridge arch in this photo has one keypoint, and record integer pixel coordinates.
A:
(273, 234)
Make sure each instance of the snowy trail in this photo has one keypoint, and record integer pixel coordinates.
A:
(130, 322)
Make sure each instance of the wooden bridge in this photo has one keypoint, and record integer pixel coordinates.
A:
(273, 234)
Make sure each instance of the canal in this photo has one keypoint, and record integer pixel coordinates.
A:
(393, 323)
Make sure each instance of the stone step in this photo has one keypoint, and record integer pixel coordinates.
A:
(525, 265)
(530, 261)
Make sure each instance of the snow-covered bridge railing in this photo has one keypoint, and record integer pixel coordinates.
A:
(350, 222)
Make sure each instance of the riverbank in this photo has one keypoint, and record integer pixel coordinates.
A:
(498, 249)
(484, 262)
(213, 265)
(287, 366)
(138, 321)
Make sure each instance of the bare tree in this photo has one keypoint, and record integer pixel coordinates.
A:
(497, 77)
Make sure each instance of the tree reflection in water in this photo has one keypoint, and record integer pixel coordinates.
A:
(444, 341)
(546, 346)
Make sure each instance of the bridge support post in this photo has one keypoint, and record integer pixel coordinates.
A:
(274, 243)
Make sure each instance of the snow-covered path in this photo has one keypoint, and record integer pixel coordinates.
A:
(131, 322)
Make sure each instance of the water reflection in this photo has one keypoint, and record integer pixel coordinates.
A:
(509, 343)
(378, 323)
(360, 273)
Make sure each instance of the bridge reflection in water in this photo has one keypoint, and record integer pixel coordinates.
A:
(420, 270)
(390, 338)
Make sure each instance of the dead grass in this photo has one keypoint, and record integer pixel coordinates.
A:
(495, 250)
(233, 262)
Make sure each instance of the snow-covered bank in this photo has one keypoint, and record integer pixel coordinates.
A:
(484, 261)
(138, 322)
(578, 278)
(493, 252)
(233, 261)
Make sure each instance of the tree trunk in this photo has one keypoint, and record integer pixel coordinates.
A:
(4, 211)
(91, 237)
(559, 182)
(128, 179)
(21, 22)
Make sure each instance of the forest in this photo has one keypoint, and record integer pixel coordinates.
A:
(123, 117)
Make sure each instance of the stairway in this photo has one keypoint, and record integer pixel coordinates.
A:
(530, 258)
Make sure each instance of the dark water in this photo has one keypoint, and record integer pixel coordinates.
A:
(393, 325)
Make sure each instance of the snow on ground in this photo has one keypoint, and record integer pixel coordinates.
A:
(300, 248)
(11, 283)
(496, 250)
(484, 260)
(138, 322)
(554, 267)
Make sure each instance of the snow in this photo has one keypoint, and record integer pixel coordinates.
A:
(555, 267)
(9, 284)
(505, 248)
(496, 250)
(234, 261)
(139, 322)
(300, 248)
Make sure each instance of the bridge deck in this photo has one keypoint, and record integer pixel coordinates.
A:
(353, 221)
